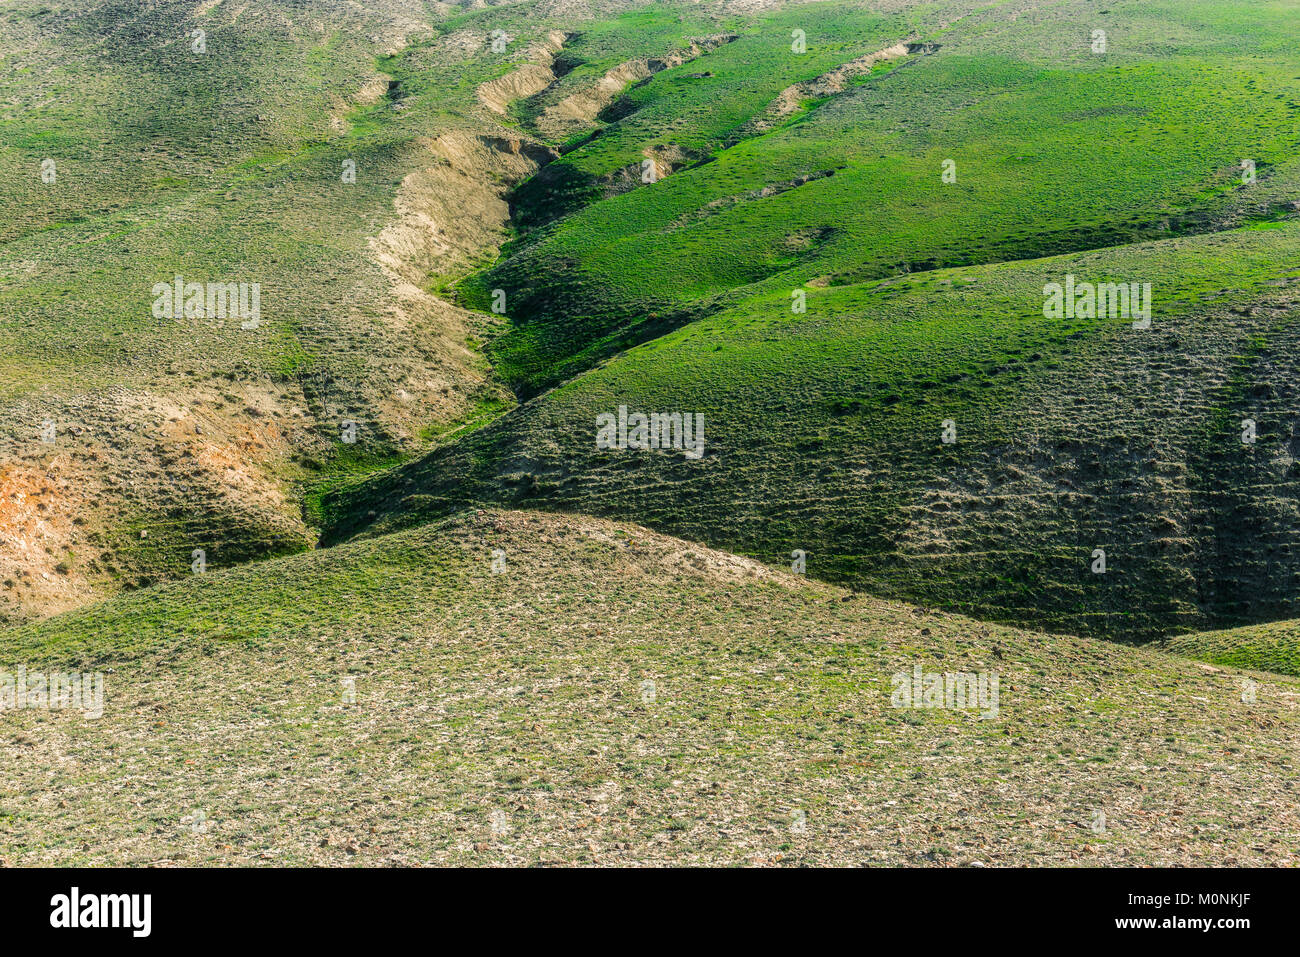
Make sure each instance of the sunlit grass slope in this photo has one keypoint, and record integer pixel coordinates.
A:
(824, 431)
(615, 697)
(1053, 148)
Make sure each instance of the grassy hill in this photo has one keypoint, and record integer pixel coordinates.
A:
(336, 155)
(1273, 646)
(824, 432)
(811, 285)
(1054, 148)
(219, 161)
(366, 583)
(615, 697)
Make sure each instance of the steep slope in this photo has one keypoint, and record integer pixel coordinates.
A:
(579, 110)
(612, 696)
(202, 141)
(827, 430)
(319, 172)
(911, 143)
(936, 432)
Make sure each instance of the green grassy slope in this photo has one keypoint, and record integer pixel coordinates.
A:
(226, 166)
(697, 105)
(221, 166)
(824, 432)
(502, 658)
(173, 161)
(824, 427)
(614, 697)
(1274, 646)
(1056, 149)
